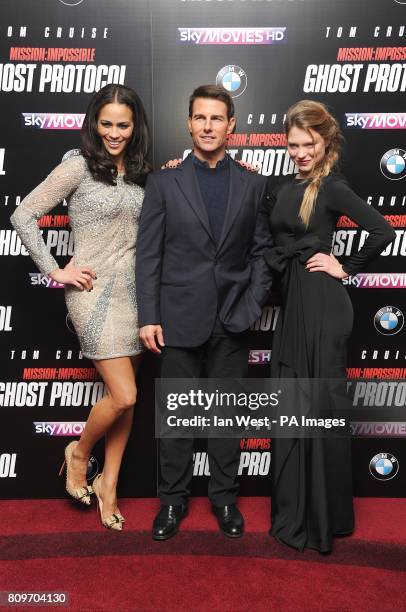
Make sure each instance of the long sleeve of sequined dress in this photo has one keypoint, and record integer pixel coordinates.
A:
(58, 185)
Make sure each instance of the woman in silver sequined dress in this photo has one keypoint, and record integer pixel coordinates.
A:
(103, 187)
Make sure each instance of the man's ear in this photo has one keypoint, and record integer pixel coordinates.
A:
(231, 125)
(189, 125)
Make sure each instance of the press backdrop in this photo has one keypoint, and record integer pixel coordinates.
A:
(54, 54)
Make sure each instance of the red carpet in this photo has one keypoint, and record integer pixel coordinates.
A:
(54, 545)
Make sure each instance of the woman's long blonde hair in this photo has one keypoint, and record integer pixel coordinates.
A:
(307, 115)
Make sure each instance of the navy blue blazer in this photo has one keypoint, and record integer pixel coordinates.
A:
(183, 278)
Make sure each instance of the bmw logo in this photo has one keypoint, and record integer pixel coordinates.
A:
(384, 466)
(92, 468)
(71, 153)
(233, 79)
(393, 164)
(71, 2)
(389, 320)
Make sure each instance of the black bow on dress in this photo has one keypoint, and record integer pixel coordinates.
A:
(278, 257)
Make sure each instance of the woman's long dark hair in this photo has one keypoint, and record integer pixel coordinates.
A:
(136, 156)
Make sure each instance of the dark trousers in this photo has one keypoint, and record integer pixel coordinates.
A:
(225, 355)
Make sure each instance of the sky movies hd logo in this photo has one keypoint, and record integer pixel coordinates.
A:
(57, 428)
(375, 121)
(376, 280)
(53, 121)
(232, 36)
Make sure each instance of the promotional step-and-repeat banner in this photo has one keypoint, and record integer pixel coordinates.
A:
(268, 54)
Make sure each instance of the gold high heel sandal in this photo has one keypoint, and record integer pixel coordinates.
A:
(114, 521)
(82, 494)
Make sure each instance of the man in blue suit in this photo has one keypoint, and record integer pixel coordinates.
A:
(201, 282)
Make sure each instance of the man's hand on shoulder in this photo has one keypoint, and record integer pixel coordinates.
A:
(149, 335)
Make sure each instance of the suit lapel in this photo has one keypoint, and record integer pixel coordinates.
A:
(188, 184)
(236, 192)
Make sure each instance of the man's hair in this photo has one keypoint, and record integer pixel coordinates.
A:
(215, 92)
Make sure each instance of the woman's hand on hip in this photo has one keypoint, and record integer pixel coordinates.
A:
(320, 262)
(78, 276)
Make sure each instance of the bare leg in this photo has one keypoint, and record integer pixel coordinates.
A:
(118, 375)
(116, 441)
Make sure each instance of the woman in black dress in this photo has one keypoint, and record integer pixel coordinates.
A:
(311, 478)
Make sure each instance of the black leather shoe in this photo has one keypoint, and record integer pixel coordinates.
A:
(230, 520)
(166, 522)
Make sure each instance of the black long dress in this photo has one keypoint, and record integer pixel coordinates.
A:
(311, 478)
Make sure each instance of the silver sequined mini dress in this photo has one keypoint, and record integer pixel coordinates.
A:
(104, 221)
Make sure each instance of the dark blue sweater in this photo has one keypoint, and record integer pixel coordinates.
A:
(214, 186)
